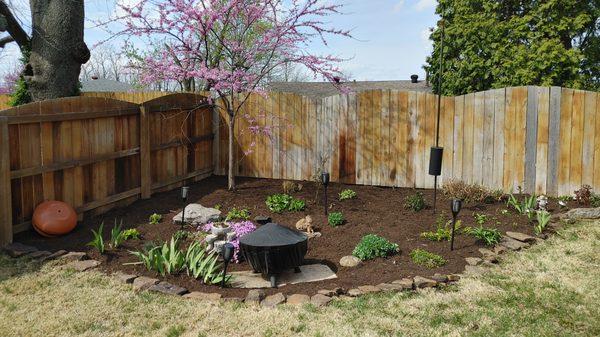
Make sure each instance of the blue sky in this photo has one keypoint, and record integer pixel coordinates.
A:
(390, 36)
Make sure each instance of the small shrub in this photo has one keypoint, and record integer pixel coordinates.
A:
(278, 203)
(98, 242)
(584, 195)
(414, 202)
(490, 236)
(427, 259)
(238, 214)
(543, 218)
(181, 235)
(131, 234)
(458, 189)
(595, 200)
(335, 218)
(347, 194)
(155, 219)
(372, 246)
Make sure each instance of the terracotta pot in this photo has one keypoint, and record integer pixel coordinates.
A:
(52, 218)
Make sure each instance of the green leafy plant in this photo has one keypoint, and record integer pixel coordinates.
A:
(543, 218)
(335, 218)
(165, 259)
(281, 202)
(414, 202)
(595, 200)
(443, 230)
(565, 198)
(238, 213)
(155, 218)
(426, 259)
(116, 235)
(181, 235)
(372, 246)
(131, 234)
(98, 241)
(347, 194)
(490, 236)
(203, 266)
(480, 218)
(526, 205)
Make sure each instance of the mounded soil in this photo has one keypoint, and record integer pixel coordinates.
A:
(375, 210)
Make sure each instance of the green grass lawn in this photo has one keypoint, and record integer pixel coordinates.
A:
(552, 289)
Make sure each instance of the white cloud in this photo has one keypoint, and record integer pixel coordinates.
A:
(427, 43)
(398, 6)
(425, 4)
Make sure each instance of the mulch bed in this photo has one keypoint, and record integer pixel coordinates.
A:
(376, 210)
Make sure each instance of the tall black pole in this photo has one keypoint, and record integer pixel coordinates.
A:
(437, 129)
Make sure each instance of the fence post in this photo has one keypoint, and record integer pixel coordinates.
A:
(145, 173)
(6, 230)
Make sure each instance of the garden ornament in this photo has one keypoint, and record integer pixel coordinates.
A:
(305, 224)
(542, 202)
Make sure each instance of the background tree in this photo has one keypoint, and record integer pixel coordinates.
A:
(56, 46)
(232, 45)
(493, 44)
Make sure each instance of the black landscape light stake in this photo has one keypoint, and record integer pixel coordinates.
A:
(325, 181)
(227, 255)
(456, 205)
(184, 195)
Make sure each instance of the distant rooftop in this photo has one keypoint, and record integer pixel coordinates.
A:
(326, 89)
(105, 85)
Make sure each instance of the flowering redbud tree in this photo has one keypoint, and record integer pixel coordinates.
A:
(232, 45)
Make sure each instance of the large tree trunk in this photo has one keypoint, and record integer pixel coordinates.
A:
(57, 48)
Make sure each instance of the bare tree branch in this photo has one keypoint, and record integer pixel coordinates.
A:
(13, 27)
(5, 40)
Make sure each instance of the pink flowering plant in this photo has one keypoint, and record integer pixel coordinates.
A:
(231, 45)
(240, 228)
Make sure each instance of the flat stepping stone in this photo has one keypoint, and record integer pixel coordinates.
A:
(354, 292)
(143, 282)
(473, 261)
(17, 249)
(298, 299)
(474, 270)
(73, 256)
(368, 289)
(168, 288)
(83, 265)
(513, 244)
(406, 283)
(197, 295)
(273, 300)
(520, 237)
(320, 300)
(440, 278)
(390, 287)
(124, 278)
(499, 249)
(40, 254)
(422, 282)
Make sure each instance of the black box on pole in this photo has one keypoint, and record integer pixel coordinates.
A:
(435, 161)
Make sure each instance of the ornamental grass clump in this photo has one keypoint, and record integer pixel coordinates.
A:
(372, 246)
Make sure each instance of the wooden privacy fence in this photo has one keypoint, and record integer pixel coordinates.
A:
(94, 153)
(545, 140)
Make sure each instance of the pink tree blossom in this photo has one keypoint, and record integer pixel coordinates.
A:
(9, 82)
(232, 45)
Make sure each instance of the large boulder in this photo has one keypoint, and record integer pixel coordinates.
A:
(583, 213)
(197, 214)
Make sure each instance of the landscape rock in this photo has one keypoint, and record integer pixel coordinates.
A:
(73, 256)
(473, 261)
(390, 287)
(349, 261)
(17, 249)
(453, 277)
(125, 278)
(54, 255)
(273, 300)
(320, 300)
(255, 296)
(499, 249)
(520, 237)
(168, 288)
(298, 299)
(83, 265)
(143, 282)
(367, 289)
(353, 292)
(440, 278)
(583, 213)
(513, 244)
(488, 255)
(473, 270)
(197, 214)
(40, 254)
(262, 220)
(196, 295)
(327, 292)
(406, 283)
(422, 282)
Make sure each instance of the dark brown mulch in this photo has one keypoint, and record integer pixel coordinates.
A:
(377, 210)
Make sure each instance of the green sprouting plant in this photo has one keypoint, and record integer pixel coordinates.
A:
(543, 218)
(443, 231)
(347, 194)
(414, 202)
(155, 218)
(522, 207)
(335, 218)
(201, 265)
(131, 234)
(238, 213)
(490, 236)
(565, 198)
(372, 246)
(98, 241)
(181, 235)
(116, 235)
(480, 218)
(165, 259)
(218, 206)
(427, 259)
(278, 203)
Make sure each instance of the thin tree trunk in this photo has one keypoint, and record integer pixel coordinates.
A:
(230, 171)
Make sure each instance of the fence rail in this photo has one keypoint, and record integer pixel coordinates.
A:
(95, 153)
